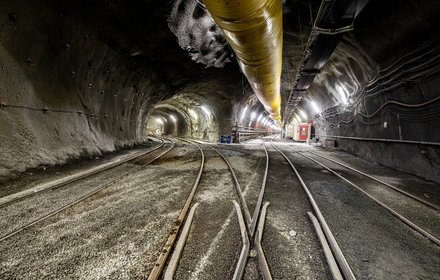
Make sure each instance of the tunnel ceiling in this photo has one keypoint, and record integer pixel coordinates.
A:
(187, 51)
(181, 44)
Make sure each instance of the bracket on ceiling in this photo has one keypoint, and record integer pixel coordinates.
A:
(334, 18)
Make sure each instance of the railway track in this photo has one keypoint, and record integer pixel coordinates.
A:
(339, 267)
(382, 182)
(10, 199)
(90, 194)
(251, 235)
(416, 231)
(176, 230)
(251, 223)
(251, 227)
(395, 213)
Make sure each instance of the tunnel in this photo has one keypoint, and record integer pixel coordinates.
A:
(220, 139)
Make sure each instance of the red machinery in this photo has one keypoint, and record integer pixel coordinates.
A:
(303, 131)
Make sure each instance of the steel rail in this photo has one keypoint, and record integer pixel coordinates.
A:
(334, 269)
(177, 252)
(242, 201)
(62, 208)
(339, 256)
(255, 233)
(250, 227)
(241, 265)
(386, 207)
(262, 262)
(260, 196)
(421, 200)
(72, 178)
(157, 270)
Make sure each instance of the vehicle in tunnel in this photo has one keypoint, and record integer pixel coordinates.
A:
(239, 139)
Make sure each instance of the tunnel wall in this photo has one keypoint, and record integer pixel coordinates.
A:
(66, 91)
(391, 59)
(393, 122)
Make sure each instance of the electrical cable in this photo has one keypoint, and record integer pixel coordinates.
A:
(46, 110)
(383, 106)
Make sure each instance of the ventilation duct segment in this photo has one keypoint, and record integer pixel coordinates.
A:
(254, 29)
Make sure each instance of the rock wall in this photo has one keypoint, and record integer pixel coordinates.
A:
(65, 91)
(393, 122)
(392, 93)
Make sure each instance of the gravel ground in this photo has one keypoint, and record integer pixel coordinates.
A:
(375, 243)
(214, 242)
(115, 234)
(291, 246)
(422, 215)
(118, 233)
(248, 163)
(43, 174)
(430, 191)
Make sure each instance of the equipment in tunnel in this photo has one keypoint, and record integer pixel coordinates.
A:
(254, 29)
(300, 132)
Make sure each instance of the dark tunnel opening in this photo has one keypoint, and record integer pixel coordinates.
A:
(169, 122)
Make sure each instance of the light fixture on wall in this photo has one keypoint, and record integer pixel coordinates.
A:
(302, 114)
(260, 117)
(342, 93)
(315, 107)
(243, 113)
(253, 115)
(193, 114)
(206, 111)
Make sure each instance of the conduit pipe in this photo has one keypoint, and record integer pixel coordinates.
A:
(254, 30)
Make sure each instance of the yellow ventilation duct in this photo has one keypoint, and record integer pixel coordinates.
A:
(254, 29)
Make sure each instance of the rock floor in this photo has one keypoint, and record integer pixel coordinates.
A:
(119, 232)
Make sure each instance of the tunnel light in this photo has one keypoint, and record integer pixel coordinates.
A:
(294, 122)
(342, 93)
(301, 112)
(253, 115)
(298, 118)
(173, 118)
(206, 111)
(260, 117)
(315, 107)
(193, 114)
(159, 120)
(243, 114)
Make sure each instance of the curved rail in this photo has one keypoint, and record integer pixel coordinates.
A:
(262, 262)
(421, 200)
(251, 223)
(334, 269)
(62, 208)
(339, 256)
(241, 264)
(8, 200)
(386, 207)
(250, 226)
(261, 195)
(243, 205)
(163, 257)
